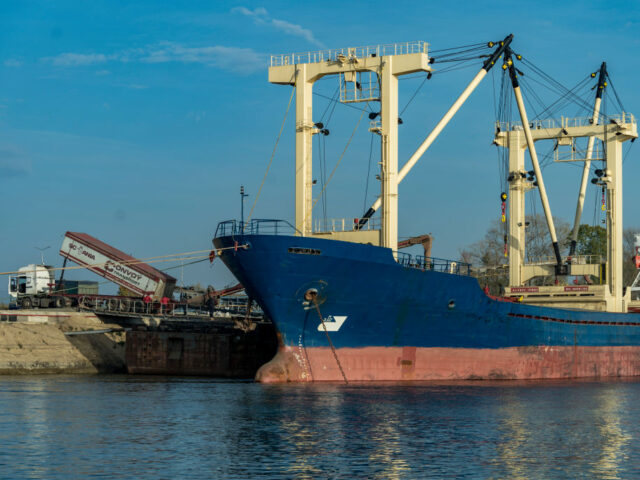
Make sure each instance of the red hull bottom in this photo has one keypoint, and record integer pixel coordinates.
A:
(297, 364)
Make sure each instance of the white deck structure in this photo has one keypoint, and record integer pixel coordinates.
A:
(366, 74)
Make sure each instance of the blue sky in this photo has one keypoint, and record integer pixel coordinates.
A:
(137, 122)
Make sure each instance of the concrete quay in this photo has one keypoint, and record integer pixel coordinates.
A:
(37, 341)
(70, 341)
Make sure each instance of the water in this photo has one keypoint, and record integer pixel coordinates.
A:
(157, 427)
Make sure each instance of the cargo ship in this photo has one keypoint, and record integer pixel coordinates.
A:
(349, 307)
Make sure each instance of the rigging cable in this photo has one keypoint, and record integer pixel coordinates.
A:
(322, 148)
(462, 46)
(273, 153)
(560, 88)
(333, 99)
(341, 156)
(411, 99)
(565, 98)
(322, 158)
(615, 92)
(345, 104)
(172, 257)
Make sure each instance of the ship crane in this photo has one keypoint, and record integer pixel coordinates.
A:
(486, 66)
(521, 136)
(425, 240)
(384, 65)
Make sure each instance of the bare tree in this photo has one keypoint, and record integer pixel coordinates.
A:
(629, 270)
(489, 252)
(490, 263)
(488, 255)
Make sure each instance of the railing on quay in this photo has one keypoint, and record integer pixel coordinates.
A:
(229, 307)
(258, 226)
(347, 53)
(432, 263)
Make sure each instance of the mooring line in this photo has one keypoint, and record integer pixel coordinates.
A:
(333, 350)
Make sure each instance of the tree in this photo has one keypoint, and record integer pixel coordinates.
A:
(592, 240)
(488, 256)
(489, 252)
(629, 270)
(538, 241)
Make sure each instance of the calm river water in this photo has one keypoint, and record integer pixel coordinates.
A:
(158, 427)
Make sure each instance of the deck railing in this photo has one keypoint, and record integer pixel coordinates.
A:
(282, 227)
(340, 54)
(258, 226)
(564, 122)
(321, 225)
(575, 260)
(433, 263)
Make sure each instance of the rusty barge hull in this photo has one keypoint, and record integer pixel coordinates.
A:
(215, 351)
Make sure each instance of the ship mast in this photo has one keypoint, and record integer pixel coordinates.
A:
(385, 63)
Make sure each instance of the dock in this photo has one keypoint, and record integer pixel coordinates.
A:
(75, 341)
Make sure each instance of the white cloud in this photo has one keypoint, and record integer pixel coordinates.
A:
(259, 13)
(242, 60)
(296, 30)
(196, 115)
(77, 59)
(261, 16)
(12, 62)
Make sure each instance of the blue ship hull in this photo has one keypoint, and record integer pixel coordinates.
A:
(388, 321)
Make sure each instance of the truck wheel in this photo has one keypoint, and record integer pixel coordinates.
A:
(68, 302)
(26, 302)
(58, 302)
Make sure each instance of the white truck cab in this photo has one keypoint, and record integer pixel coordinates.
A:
(31, 280)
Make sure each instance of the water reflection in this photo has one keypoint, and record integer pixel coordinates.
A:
(387, 446)
(33, 413)
(513, 427)
(305, 449)
(154, 427)
(613, 437)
